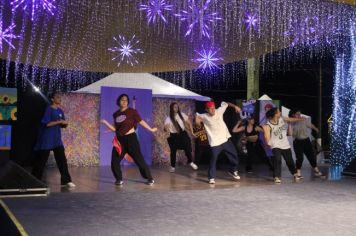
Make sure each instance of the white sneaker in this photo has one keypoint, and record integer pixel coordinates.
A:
(296, 178)
(277, 180)
(194, 166)
(234, 175)
(172, 169)
(211, 181)
(70, 185)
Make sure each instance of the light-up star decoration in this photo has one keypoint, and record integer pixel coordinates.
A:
(34, 5)
(207, 58)
(126, 50)
(251, 21)
(198, 17)
(7, 35)
(155, 9)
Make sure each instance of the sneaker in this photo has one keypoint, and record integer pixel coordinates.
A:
(211, 181)
(277, 180)
(318, 174)
(172, 169)
(70, 185)
(119, 182)
(299, 174)
(194, 166)
(150, 182)
(296, 178)
(234, 174)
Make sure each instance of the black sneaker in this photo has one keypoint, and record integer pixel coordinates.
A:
(150, 182)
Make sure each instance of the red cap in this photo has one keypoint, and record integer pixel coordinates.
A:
(210, 104)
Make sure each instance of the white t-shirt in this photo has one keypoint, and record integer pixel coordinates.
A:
(171, 127)
(279, 137)
(215, 126)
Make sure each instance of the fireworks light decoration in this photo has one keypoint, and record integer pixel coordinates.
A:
(198, 17)
(7, 35)
(155, 9)
(34, 6)
(126, 50)
(343, 143)
(207, 58)
(251, 21)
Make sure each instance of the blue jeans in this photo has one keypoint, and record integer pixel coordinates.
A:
(229, 149)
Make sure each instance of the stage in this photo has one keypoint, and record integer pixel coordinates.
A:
(183, 203)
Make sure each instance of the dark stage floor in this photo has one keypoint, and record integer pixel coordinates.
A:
(184, 204)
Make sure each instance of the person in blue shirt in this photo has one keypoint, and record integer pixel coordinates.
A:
(50, 139)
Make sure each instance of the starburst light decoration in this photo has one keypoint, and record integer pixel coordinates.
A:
(7, 35)
(155, 9)
(126, 50)
(34, 6)
(207, 58)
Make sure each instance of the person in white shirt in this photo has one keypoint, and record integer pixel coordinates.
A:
(219, 137)
(275, 132)
(177, 125)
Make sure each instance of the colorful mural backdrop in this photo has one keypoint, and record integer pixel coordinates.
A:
(161, 151)
(8, 103)
(81, 137)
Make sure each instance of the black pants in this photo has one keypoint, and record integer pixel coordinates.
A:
(277, 161)
(130, 145)
(301, 147)
(180, 141)
(61, 160)
(254, 149)
(200, 151)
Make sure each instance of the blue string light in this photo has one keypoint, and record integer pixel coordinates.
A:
(343, 143)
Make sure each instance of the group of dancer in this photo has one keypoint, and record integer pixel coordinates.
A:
(209, 129)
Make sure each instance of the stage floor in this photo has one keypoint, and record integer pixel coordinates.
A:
(100, 179)
(184, 203)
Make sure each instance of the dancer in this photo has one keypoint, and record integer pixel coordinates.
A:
(50, 139)
(125, 123)
(253, 145)
(201, 142)
(275, 132)
(302, 144)
(219, 138)
(176, 124)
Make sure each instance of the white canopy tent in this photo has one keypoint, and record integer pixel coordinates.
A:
(159, 87)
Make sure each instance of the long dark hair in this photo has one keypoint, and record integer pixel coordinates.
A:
(271, 112)
(172, 116)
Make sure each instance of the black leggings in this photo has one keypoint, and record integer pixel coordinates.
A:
(61, 160)
(277, 160)
(301, 147)
(180, 141)
(254, 149)
(130, 145)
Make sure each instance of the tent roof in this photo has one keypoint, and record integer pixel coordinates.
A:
(159, 87)
(265, 97)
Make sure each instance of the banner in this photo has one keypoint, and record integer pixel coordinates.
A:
(141, 100)
(5, 137)
(8, 104)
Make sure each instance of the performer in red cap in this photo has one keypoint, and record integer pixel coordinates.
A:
(218, 136)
